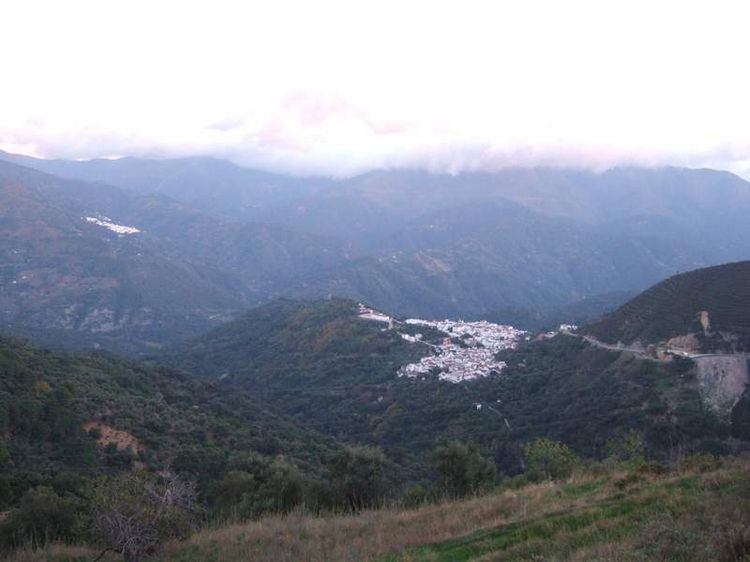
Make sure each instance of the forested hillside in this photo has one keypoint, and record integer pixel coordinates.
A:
(68, 417)
(325, 367)
(711, 304)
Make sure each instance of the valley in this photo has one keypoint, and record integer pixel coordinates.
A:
(279, 367)
(416, 244)
(374, 282)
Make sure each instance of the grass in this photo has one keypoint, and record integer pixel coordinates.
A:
(699, 513)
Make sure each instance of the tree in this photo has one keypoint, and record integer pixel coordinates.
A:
(42, 516)
(626, 446)
(261, 487)
(548, 459)
(135, 513)
(4, 452)
(358, 477)
(462, 470)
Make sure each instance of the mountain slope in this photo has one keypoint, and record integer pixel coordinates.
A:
(470, 261)
(711, 305)
(696, 513)
(50, 401)
(315, 361)
(67, 277)
(320, 364)
(62, 271)
(430, 245)
(216, 186)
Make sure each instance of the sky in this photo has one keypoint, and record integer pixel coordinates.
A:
(339, 88)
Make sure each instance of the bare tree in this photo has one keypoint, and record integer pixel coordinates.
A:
(135, 513)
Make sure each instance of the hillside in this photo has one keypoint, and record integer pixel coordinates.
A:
(615, 198)
(708, 309)
(88, 264)
(320, 364)
(61, 271)
(430, 245)
(245, 194)
(317, 362)
(142, 416)
(472, 260)
(696, 513)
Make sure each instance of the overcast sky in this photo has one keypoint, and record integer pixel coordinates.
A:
(342, 87)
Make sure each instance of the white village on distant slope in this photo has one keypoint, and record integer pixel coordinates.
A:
(452, 362)
(107, 223)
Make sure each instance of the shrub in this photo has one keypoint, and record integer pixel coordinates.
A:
(41, 517)
(548, 459)
(358, 477)
(134, 514)
(653, 467)
(700, 462)
(462, 470)
(416, 495)
(263, 487)
(627, 446)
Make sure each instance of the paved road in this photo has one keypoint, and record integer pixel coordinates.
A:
(642, 354)
(637, 351)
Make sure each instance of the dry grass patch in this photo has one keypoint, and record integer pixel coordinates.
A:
(618, 515)
(300, 537)
(61, 553)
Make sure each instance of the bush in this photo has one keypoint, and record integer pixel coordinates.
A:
(134, 514)
(548, 459)
(627, 446)
(462, 470)
(700, 462)
(653, 467)
(416, 495)
(358, 478)
(262, 487)
(41, 517)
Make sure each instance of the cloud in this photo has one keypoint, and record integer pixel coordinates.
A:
(338, 89)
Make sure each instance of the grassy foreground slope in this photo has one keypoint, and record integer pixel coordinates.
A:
(674, 306)
(699, 512)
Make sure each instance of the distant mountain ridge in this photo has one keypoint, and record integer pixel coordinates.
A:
(532, 241)
(65, 278)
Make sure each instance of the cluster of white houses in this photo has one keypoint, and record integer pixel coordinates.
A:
(107, 223)
(473, 357)
(467, 351)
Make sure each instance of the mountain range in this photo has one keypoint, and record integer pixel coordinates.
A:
(215, 239)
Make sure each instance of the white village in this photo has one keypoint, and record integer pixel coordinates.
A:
(454, 362)
(107, 223)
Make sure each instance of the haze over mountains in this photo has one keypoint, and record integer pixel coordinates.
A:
(340, 281)
(260, 381)
(216, 238)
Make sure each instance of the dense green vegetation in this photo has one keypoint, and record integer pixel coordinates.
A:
(298, 408)
(163, 418)
(692, 512)
(671, 308)
(324, 367)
